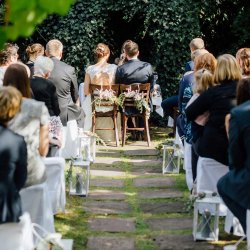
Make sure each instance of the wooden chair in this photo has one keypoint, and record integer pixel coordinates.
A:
(104, 104)
(129, 103)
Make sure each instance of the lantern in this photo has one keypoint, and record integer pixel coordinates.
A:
(171, 159)
(206, 220)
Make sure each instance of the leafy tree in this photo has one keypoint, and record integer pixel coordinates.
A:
(20, 17)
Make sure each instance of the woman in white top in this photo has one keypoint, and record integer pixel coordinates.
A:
(101, 73)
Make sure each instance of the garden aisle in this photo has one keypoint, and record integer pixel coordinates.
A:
(131, 205)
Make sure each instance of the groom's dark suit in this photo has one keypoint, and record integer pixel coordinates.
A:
(64, 78)
(134, 71)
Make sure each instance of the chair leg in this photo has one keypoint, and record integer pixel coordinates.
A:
(116, 130)
(93, 123)
(124, 122)
(146, 131)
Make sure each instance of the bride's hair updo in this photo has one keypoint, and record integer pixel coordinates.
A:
(101, 50)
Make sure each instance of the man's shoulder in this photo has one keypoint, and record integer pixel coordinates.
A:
(61, 64)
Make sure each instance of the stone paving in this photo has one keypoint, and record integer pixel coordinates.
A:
(132, 206)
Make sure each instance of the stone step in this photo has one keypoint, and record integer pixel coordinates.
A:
(170, 223)
(180, 242)
(161, 193)
(162, 207)
(112, 225)
(107, 183)
(101, 207)
(110, 243)
(106, 195)
(154, 182)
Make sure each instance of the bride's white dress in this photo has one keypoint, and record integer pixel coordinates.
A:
(102, 76)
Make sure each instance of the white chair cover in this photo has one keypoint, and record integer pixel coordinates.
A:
(86, 106)
(56, 182)
(17, 236)
(209, 171)
(35, 200)
(70, 142)
(248, 229)
(232, 222)
(188, 165)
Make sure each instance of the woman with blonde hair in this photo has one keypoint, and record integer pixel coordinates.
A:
(13, 157)
(33, 51)
(218, 101)
(244, 61)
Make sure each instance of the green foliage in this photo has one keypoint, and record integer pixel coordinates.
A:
(20, 18)
(163, 29)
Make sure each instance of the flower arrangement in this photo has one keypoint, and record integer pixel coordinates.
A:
(107, 95)
(55, 127)
(139, 100)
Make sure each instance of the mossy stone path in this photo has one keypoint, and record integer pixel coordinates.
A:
(131, 205)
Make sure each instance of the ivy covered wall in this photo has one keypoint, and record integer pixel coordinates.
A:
(162, 28)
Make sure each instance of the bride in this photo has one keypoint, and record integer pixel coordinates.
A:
(101, 73)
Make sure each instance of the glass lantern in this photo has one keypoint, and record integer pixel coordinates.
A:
(79, 177)
(86, 145)
(171, 159)
(206, 221)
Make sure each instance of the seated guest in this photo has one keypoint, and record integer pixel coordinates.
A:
(234, 186)
(171, 102)
(33, 51)
(64, 78)
(13, 157)
(134, 71)
(31, 122)
(101, 73)
(218, 101)
(244, 61)
(43, 89)
(8, 55)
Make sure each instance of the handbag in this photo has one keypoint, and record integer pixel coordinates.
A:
(49, 241)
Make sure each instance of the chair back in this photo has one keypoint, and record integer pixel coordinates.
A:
(142, 88)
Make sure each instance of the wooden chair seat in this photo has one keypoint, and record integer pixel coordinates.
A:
(129, 105)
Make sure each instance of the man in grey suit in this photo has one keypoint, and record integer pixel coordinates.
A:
(64, 78)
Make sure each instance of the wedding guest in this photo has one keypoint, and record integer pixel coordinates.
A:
(13, 157)
(8, 55)
(134, 70)
(122, 59)
(43, 89)
(33, 51)
(64, 78)
(234, 186)
(31, 122)
(218, 101)
(244, 61)
(172, 102)
(101, 73)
